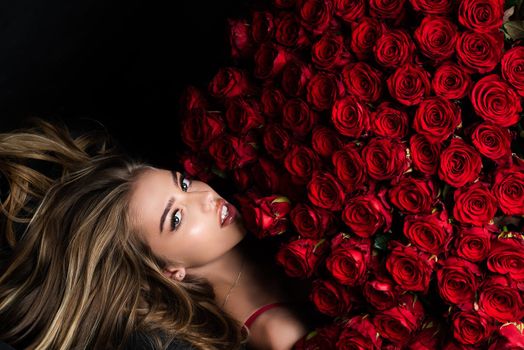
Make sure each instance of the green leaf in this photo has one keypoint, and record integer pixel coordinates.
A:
(514, 29)
(381, 241)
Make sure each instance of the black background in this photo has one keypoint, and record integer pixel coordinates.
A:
(123, 63)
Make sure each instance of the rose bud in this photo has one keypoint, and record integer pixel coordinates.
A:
(301, 258)
(265, 216)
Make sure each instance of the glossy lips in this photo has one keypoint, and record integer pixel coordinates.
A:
(231, 215)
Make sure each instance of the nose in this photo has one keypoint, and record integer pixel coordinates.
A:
(207, 200)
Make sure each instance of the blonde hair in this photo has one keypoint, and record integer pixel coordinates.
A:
(76, 273)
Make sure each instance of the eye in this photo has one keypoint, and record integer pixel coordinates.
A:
(183, 178)
(175, 220)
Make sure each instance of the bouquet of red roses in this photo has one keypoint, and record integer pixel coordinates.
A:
(380, 142)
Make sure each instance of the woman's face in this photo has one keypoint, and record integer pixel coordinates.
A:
(181, 218)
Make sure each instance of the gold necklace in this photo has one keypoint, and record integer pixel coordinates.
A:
(234, 284)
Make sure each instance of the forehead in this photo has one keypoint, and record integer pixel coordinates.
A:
(150, 195)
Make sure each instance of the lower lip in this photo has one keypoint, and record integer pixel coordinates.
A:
(231, 215)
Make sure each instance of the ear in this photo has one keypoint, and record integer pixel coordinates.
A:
(176, 273)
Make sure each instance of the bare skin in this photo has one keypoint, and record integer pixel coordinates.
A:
(200, 246)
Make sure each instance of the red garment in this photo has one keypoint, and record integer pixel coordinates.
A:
(259, 311)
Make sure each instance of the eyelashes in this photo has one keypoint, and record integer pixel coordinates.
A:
(176, 220)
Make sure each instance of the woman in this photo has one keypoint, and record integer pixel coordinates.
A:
(104, 250)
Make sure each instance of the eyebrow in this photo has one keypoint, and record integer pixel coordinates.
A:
(169, 203)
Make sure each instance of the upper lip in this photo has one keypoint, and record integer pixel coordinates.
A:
(220, 203)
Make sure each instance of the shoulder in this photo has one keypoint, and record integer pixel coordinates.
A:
(282, 328)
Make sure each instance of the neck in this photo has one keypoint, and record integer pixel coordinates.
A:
(256, 286)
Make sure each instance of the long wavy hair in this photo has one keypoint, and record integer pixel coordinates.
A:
(75, 271)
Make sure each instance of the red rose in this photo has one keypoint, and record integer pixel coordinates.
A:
(481, 15)
(192, 99)
(330, 297)
(458, 281)
(289, 32)
(433, 7)
(323, 89)
(508, 187)
(324, 337)
(507, 257)
(276, 140)
(368, 214)
(243, 114)
(364, 35)
(270, 59)
(295, 76)
(301, 257)
(425, 155)
(243, 177)
(349, 167)
(349, 259)
(301, 162)
(473, 243)
(400, 322)
(471, 327)
(230, 152)
(492, 141)
(359, 334)
(394, 48)
(413, 196)
(200, 128)
(437, 118)
(409, 267)
(350, 117)
(387, 9)
(381, 292)
(480, 52)
(495, 101)
(451, 81)
(330, 52)
(197, 167)
(500, 301)
(264, 216)
(436, 38)
(284, 4)
(430, 233)
(325, 191)
(349, 10)
(510, 337)
(512, 66)
(459, 164)
(267, 175)
(262, 26)
(474, 204)
(428, 338)
(240, 38)
(298, 118)
(363, 81)
(385, 158)
(409, 84)
(325, 141)
(272, 100)
(312, 222)
(315, 15)
(229, 82)
(389, 121)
